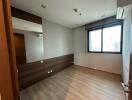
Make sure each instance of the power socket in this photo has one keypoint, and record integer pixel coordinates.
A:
(48, 72)
(41, 61)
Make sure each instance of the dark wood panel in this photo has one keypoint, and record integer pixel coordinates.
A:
(25, 15)
(37, 71)
(20, 48)
(130, 76)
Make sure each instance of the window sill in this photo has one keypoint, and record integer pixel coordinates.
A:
(105, 52)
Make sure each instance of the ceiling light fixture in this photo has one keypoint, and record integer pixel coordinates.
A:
(75, 10)
(43, 6)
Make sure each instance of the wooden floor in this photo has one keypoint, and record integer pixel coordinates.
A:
(77, 83)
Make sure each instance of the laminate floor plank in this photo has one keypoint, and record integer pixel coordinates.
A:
(77, 83)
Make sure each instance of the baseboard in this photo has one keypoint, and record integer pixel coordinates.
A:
(98, 69)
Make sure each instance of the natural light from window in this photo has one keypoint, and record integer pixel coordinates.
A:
(105, 39)
(112, 39)
(96, 44)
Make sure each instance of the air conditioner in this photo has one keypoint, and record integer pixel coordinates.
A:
(123, 12)
(120, 13)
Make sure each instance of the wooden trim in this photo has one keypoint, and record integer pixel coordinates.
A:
(25, 15)
(130, 73)
(34, 72)
(11, 47)
(6, 90)
(19, 34)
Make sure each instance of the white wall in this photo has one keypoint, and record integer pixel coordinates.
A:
(33, 45)
(126, 45)
(79, 40)
(105, 62)
(58, 40)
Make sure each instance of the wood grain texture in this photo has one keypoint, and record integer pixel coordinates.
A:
(77, 83)
(130, 73)
(11, 47)
(37, 71)
(20, 48)
(25, 15)
(11, 52)
(6, 90)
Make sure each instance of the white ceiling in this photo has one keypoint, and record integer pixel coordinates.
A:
(61, 11)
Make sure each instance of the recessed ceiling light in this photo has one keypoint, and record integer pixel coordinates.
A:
(43, 6)
(75, 10)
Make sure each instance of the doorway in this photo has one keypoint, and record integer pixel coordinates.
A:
(20, 48)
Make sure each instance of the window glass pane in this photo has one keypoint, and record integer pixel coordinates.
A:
(112, 39)
(95, 40)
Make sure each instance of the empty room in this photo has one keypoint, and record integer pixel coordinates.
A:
(65, 50)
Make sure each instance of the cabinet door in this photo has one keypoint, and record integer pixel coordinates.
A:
(6, 91)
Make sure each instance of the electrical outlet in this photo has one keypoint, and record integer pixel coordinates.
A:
(48, 72)
(41, 61)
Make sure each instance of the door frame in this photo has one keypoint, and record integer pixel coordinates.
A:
(11, 47)
(5, 74)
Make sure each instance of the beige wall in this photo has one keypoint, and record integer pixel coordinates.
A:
(58, 40)
(105, 62)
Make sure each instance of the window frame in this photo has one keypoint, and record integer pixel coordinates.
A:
(102, 27)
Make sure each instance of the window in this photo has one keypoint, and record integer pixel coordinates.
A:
(95, 40)
(106, 39)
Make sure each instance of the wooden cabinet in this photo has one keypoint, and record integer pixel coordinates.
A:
(37, 71)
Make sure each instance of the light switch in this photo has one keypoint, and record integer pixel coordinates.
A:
(41, 61)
